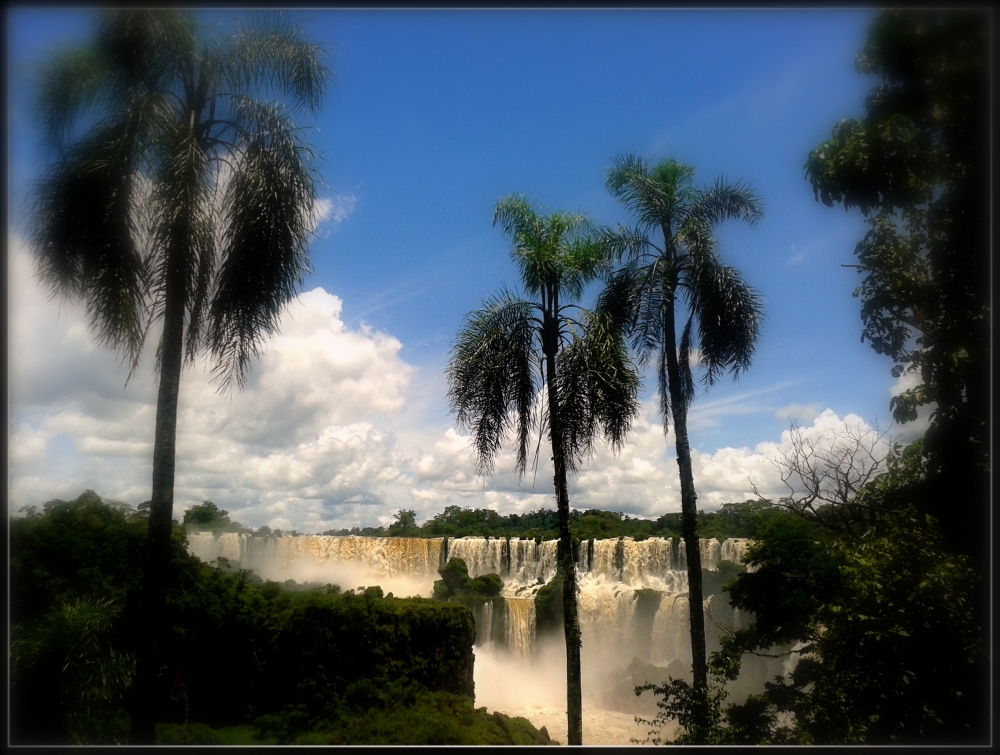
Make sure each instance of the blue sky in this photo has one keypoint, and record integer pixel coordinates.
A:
(434, 115)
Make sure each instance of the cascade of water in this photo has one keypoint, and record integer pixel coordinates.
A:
(519, 626)
(531, 561)
(735, 548)
(324, 558)
(615, 577)
(483, 613)
(482, 555)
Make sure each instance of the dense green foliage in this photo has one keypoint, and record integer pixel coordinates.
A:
(207, 516)
(401, 718)
(888, 642)
(456, 584)
(239, 653)
(888, 639)
(916, 165)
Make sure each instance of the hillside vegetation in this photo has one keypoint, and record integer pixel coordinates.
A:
(245, 661)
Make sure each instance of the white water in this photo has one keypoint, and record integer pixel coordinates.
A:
(520, 670)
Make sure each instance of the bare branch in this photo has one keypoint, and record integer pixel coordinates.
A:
(825, 472)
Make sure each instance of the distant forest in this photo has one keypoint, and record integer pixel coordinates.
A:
(731, 520)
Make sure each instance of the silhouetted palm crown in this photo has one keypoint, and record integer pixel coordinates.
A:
(183, 180)
(498, 365)
(728, 312)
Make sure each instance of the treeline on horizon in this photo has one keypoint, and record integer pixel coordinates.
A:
(732, 520)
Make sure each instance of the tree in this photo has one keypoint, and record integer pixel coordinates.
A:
(728, 312)
(884, 624)
(825, 473)
(520, 365)
(206, 515)
(406, 519)
(916, 166)
(178, 195)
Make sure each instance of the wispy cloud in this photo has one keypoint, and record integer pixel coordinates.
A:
(752, 106)
(799, 254)
(709, 414)
(334, 209)
(805, 412)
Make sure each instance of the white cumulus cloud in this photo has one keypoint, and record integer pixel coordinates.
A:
(313, 442)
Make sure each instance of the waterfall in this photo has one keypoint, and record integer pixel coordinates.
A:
(519, 629)
(483, 613)
(407, 566)
(633, 599)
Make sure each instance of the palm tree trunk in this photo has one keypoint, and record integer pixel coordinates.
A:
(155, 575)
(689, 517)
(566, 565)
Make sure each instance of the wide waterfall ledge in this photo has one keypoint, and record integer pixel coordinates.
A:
(633, 606)
(633, 593)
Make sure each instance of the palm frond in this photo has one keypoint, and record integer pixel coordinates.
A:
(491, 378)
(583, 259)
(274, 53)
(533, 253)
(555, 252)
(656, 196)
(729, 313)
(72, 83)
(83, 234)
(696, 243)
(725, 201)
(267, 206)
(623, 244)
(146, 49)
(638, 288)
(619, 299)
(598, 388)
(184, 235)
(674, 182)
(629, 181)
(663, 388)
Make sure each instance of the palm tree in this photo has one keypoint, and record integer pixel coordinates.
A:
(728, 312)
(520, 365)
(188, 200)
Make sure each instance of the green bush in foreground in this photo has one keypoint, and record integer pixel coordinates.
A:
(426, 718)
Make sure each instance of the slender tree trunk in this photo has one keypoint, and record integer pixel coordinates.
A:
(155, 575)
(566, 565)
(689, 517)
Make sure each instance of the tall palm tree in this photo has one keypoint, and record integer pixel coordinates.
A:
(728, 312)
(520, 365)
(177, 194)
